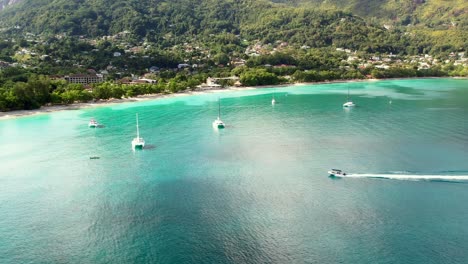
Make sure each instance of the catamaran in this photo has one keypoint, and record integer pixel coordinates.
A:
(348, 103)
(138, 142)
(93, 123)
(218, 123)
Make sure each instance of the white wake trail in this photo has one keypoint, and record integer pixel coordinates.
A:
(414, 177)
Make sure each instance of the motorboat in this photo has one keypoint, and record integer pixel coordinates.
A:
(138, 142)
(336, 173)
(93, 123)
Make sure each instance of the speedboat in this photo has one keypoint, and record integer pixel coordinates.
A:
(93, 123)
(336, 173)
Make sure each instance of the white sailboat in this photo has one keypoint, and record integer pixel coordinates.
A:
(348, 103)
(218, 123)
(138, 142)
(273, 101)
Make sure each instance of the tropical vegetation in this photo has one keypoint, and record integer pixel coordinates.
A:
(180, 43)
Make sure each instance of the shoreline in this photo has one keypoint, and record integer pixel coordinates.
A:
(147, 97)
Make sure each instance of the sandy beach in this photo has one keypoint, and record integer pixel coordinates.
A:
(139, 98)
(77, 106)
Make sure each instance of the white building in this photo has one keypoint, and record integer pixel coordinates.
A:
(84, 78)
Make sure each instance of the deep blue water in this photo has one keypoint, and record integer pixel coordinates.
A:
(255, 192)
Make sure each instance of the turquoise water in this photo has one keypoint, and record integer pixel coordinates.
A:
(255, 192)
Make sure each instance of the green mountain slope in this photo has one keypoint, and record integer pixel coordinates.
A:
(102, 17)
(166, 19)
(429, 12)
(168, 22)
(6, 3)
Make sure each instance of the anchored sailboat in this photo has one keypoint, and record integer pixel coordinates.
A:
(348, 103)
(218, 123)
(138, 142)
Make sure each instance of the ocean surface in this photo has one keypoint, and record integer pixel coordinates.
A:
(257, 191)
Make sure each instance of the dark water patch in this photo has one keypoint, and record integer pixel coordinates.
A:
(149, 147)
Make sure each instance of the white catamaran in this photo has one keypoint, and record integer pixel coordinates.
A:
(348, 103)
(138, 142)
(218, 123)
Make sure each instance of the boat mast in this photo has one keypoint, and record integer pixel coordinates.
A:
(219, 108)
(348, 95)
(138, 130)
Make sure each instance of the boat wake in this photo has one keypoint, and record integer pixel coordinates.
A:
(410, 177)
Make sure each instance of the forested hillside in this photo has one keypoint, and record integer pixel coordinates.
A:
(403, 12)
(431, 13)
(170, 22)
(6, 3)
(166, 46)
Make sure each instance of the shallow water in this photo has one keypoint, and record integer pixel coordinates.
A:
(255, 192)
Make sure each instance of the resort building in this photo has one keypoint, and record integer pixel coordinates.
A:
(84, 78)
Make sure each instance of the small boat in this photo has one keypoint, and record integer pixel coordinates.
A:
(273, 101)
(93, 123)
(218, 123)
(348, 103)
(138, 142)
(336, 173)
